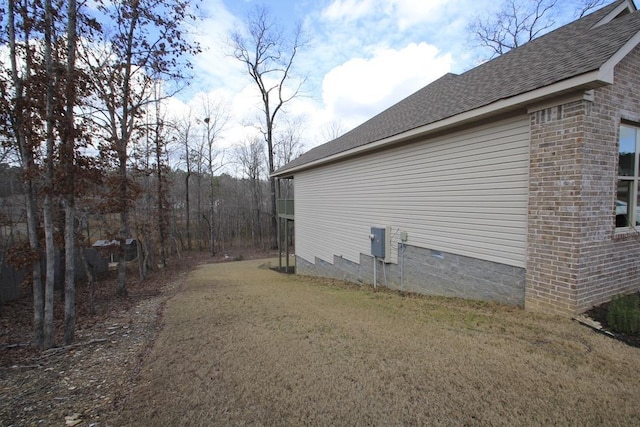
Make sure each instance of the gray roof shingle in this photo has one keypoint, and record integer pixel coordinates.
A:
(566, 52)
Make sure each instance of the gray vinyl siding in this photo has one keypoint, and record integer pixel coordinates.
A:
(464, 193)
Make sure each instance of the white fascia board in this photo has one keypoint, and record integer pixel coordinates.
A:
(585, 81)
(608, 67)
(628, 5)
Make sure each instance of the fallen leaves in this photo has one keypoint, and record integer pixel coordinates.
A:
(82, 383)
(73, 420)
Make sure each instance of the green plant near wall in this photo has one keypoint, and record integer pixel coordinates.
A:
(624, 314)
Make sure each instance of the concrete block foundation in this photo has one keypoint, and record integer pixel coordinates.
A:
(428, 272)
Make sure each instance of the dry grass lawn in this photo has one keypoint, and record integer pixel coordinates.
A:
(246, 345)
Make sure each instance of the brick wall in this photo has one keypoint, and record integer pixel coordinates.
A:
(575, 257)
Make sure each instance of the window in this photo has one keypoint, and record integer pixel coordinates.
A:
(628, 194)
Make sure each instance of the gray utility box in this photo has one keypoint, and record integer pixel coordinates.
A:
(378, 248)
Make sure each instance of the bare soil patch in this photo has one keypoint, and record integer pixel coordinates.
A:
(245, 345)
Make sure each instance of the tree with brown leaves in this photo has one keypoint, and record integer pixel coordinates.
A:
(143, 43)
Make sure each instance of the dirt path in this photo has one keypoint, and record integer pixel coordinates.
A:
(245, 345)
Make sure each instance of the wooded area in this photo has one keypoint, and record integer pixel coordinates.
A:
(89, 151)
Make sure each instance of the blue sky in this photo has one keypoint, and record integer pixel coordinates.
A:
(363, 56)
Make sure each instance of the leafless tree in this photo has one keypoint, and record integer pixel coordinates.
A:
(151, 213)
(198, 162)
(268, 56)
(289, 146)
(288, 141)
(250, 157)
(184, 134)
(161, 140)
(519, 21)
(333, 130)
(216, 117)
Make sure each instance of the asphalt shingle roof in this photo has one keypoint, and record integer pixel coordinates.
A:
(566, 52)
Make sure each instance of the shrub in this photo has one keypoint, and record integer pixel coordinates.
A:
(238, 258)
(624, 314)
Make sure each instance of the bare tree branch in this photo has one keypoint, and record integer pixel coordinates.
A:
(587, 6)
(513, 25)
(519, 21)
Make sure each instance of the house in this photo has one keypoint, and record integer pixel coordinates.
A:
(514, 181)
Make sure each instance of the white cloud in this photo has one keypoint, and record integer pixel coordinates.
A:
(349, 10)
(361, 88)
(412, 12)
(214, 67)
(402, 13)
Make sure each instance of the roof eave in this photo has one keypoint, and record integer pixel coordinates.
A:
(590, 80)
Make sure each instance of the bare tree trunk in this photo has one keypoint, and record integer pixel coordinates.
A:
(142, 263)
(124, 229)
(27, 157)
(50, 256)
(48, 189)
(188, 213)
(36, 272)
(147, 255)
(69, 273)
(212, 232)
(257, 196)
(162, 215)
(90, 281)
(68, 161)
(121, 145)
(199, 210)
